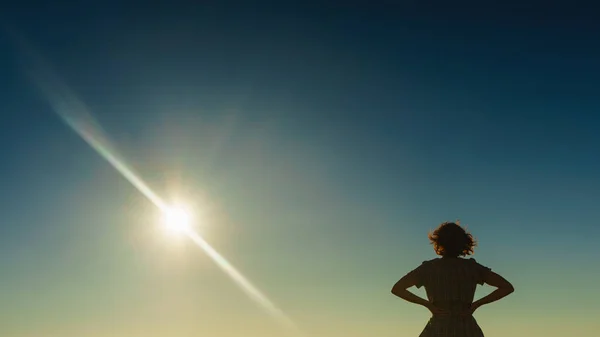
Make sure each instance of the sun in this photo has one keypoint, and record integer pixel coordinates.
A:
(177, 219)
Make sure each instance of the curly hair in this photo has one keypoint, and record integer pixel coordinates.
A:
(451, 240)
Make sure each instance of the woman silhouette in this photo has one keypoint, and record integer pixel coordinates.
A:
(450, 283)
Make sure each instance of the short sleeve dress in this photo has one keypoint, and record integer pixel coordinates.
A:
(450, 284)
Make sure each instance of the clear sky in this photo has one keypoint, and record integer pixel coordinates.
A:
(321, 143)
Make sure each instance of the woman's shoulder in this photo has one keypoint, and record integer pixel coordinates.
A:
(472, 260)
(478, 265)
(430, 262)
(442, 261)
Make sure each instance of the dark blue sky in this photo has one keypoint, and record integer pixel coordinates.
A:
(403, 116)
(458, 96)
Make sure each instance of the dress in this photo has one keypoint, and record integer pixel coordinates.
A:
(450, 284)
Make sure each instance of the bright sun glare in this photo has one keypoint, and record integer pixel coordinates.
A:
(177, 219)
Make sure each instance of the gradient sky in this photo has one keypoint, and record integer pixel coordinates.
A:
(322, 144)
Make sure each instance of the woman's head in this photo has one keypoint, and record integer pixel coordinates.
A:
(451, 240)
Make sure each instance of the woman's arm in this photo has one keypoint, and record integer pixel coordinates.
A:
(400, 289)
(495, 280)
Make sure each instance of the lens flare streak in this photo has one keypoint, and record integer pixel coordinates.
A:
(242, 281)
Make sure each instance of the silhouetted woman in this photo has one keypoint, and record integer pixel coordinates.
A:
(450, 283)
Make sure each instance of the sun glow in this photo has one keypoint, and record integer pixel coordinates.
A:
(177, 219)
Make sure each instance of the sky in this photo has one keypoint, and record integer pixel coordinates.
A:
(318, 145)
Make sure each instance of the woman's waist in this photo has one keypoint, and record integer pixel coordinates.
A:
(453, 305)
